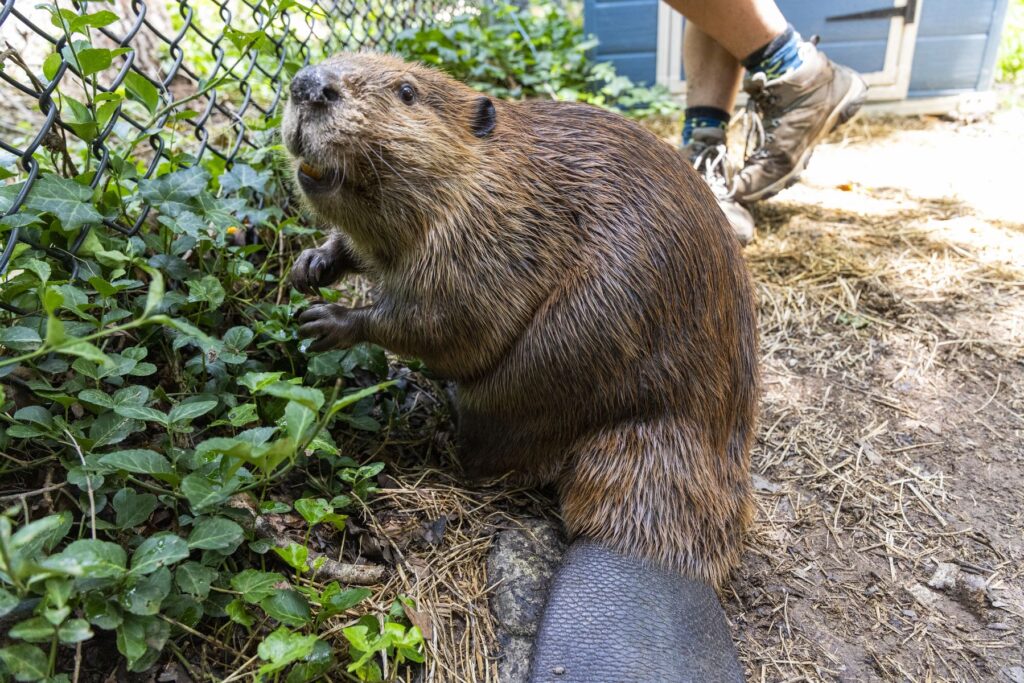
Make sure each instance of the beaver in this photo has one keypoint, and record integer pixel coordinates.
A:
(575, 278)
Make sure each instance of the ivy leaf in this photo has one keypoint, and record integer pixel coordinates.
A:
(142, 595)
(158, 551)
(19, 338)
(144, 413)
(89, 558)
(139, 637)
(195, 579)
(174, 192)
(8, 601)
(282, 647)
(237, 612)
(307, 396)
(255, 585)
(288, 607)
(203, 493)
(111, 428)
(34, 630)
(215, 533)
(244, 176)
(69, 201)
(295, 555)
(184, 412)
(74, 631)
(208, 289)
(313, 510)
(25, 662)
(140, 461)
(132, 508)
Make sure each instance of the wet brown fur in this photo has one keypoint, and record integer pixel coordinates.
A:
(574, 276)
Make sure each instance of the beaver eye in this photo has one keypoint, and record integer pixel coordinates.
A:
(407, 94)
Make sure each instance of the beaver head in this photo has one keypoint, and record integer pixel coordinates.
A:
(374, 137)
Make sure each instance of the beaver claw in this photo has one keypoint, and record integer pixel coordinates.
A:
(331, 326)
(315, 268)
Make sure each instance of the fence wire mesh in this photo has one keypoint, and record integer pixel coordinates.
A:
(161, 81)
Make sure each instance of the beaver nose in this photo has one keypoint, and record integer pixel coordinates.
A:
(310, 85)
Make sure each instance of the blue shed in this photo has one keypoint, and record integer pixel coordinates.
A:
(915, 54)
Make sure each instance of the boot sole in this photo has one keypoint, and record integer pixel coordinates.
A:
(843, 112)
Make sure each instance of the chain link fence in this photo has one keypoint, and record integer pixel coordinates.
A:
(162, 81)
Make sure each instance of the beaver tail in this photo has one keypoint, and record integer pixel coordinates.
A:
(612, 618)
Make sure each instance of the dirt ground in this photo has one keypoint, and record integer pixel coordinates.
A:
(890, 464)
(889, 468)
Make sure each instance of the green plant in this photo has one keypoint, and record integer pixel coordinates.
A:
(1010, 63)
(160, 391)
(533, 51)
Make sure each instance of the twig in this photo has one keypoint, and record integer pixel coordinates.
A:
(88, 484)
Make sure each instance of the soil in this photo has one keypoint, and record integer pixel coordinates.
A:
(890, 464)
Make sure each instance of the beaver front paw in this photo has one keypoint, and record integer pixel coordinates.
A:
(317, 268)
(332, 326)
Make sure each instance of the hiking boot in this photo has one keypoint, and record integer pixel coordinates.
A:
(708, 154)
(797, 110)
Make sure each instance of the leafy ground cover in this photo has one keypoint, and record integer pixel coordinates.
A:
(184, 490)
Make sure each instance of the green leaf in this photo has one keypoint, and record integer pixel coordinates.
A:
(288, 607)
(143, 413)
(255, 585)
(102, 611)
(204, 493)
(157, 551)
(95, 20)
(96, 398)
(295, 555)
(140, 461)
(34, 630)
(298, 418)
(131, 508)
(74, 631)
(243, 176)
(334, 601)
(195, 579)
(313, 510)
(89, 558)
(173, 193)
(237, 612)
(25, 662)
(190, 411)
(138, 638)
(207, 289)
(19, 338)
(143, 595)
(141, 90)
(69, 201)
(51, 65)
(215, 533)
(282, 647)
(83, 349)
(111, 428)
(93, 60)
(40, 534)
(156, 291)
(8, 601)
(257, 381)
(307, 396)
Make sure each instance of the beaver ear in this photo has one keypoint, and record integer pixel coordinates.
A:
(484, 117)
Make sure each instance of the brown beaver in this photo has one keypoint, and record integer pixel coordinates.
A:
(568, 270)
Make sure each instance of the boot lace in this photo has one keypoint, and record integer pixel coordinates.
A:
(712, 163)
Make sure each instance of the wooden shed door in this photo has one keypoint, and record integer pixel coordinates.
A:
(875, 37)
